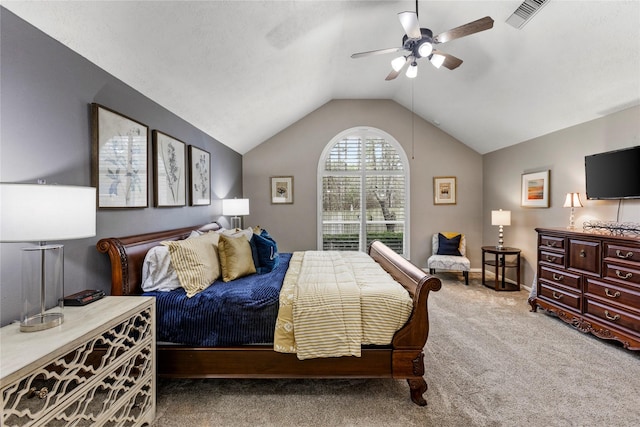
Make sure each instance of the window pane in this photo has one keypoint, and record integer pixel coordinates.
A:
(344, 156)
(341, 198)
(382, 156)
(385, 198)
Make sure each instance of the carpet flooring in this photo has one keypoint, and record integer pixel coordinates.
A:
(489, 362)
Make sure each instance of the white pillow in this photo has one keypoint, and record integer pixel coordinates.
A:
(157, 272)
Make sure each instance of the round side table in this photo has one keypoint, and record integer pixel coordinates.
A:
(500, 262)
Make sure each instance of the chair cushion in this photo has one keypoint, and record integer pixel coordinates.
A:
(448, 246)
(449, 262)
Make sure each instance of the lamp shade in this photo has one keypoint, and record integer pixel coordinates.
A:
(235, 207)
(572, 201)
(39, 212)
(500, 217)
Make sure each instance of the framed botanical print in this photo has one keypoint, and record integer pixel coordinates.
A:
(444, 190)
(119, 159)
(282, 190)
(199, 177)
(535, 189)
(169, 165)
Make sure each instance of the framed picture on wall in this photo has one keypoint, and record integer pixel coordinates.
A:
(535, 189)
(282, 190)
(199, 176)
(444, 190)
(169, 164)
(119, 159)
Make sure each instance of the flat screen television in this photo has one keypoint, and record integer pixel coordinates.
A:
(613, 175)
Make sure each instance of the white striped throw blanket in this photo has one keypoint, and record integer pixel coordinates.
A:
(333, 302)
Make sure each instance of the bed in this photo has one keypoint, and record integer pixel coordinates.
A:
(401, 359)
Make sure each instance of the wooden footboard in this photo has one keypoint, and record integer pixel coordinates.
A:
(403, 359)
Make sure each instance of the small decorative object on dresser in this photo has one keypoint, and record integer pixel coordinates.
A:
(97, 368)
(591, 281)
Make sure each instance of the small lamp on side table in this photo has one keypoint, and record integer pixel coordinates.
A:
(41, 213)
(500, 218)
(572, 201)
(235, 207)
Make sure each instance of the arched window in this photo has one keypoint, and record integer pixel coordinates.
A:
(363, 192)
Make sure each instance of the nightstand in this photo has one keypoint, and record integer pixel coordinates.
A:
(500, 262)
(97, 367)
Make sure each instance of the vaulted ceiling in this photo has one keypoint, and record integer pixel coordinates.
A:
(244, 70)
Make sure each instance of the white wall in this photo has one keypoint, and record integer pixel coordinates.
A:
(296, 150)
(563, 154)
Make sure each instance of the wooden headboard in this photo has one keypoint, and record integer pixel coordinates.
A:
(127, 255)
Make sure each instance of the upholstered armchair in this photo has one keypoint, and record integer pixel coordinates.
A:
(448, 253)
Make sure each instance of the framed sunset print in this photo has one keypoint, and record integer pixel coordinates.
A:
(535, 189)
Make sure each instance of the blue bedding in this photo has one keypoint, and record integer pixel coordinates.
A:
(242, 311)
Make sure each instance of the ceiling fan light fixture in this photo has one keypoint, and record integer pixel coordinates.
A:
(425, 49)
(437, 60)
(398, 63)
(412, 71)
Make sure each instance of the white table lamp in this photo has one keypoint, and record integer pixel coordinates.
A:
(235, 207)
(41, 213)
(500, 218)
(572, 201)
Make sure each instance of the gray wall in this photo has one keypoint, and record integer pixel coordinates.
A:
(296, 150)
(563, 154)
(46, 133)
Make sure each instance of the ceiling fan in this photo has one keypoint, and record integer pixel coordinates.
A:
(419, 43)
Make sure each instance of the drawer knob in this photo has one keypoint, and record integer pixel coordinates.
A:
(34, 392)
(610, 317)
(551, 244)
(550, 258)
(623, 276)
(619, 254)
(557, 278)
(608, 293)
(556, 296)
(582, 253)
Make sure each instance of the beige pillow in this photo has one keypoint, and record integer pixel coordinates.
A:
(235, 257)
(195, 261)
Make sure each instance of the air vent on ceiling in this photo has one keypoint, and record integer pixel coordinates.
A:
(525, 12)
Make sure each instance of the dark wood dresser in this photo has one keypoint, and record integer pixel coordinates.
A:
(591, 281)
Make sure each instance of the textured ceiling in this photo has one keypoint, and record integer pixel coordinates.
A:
(244, 70)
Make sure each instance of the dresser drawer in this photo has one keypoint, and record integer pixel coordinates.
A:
(614, 294)
(560, 277)
(621, 252)
(622, 273)
(558, 296)
(612, 315)
(551, 242)
(551, 258)
(584, 256)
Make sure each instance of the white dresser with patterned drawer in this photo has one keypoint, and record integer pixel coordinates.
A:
(97, 368)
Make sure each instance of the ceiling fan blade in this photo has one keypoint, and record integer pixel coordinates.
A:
(376, 52)
(450, 61)
(409, 21)
(393, 74)
(465, 30)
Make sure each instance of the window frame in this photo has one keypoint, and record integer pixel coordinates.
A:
(364, 133)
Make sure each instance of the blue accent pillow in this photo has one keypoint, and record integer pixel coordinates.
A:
(267, 251)
(449, 246)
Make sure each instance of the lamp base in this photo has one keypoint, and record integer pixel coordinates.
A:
(40, 322)
(236, 222)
